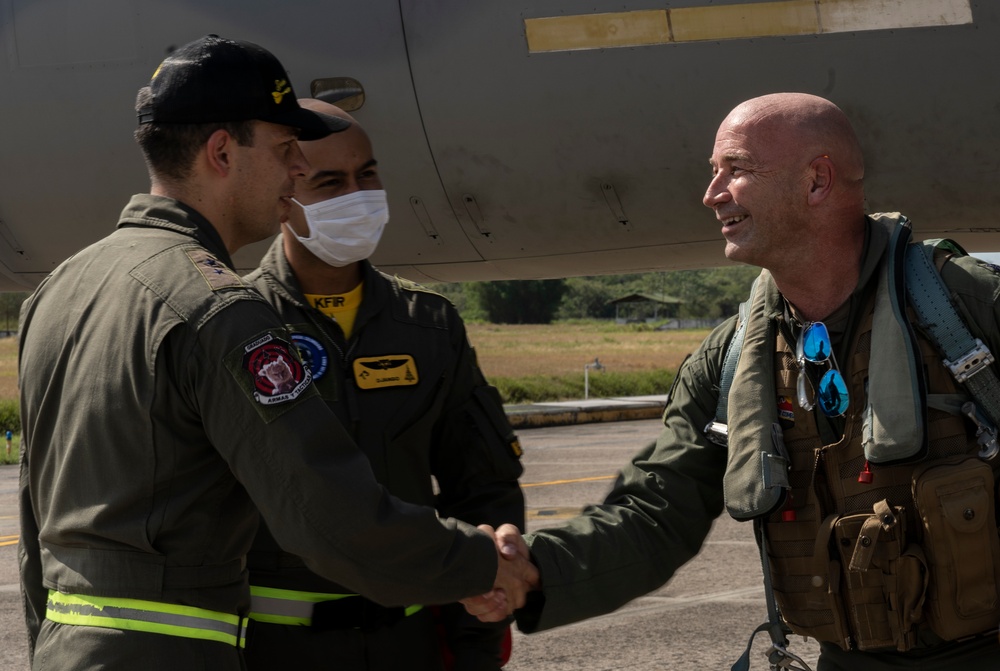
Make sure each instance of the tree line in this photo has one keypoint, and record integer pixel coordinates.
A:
(705, 294)
(10, 308)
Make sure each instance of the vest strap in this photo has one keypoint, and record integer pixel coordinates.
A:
(778, 654)
(718, 430)
(968, 359)
(147, 616)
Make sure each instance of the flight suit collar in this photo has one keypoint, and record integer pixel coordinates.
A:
(755, 435)
(876, 239)
(279, 274)
(145, 210)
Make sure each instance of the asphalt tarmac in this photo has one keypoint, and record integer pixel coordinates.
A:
(700, 620)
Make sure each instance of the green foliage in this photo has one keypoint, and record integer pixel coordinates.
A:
(10, 416)
(519, 301)
(463, 300)
(15, 452)
(587, 297)
(538, 388)
(10, 308)
(710, 292)
(707, 294)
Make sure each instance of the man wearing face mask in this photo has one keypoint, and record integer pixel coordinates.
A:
(393, 361)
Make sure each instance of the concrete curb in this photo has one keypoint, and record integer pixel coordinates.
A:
(564, 413)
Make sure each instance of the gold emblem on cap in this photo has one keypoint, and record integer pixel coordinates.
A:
(281, 89)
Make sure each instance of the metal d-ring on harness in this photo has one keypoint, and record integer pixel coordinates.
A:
(777, 655)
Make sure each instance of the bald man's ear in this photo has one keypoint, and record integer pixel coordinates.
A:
(822, 173)
(218, 154)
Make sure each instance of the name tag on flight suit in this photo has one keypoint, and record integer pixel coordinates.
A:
(390, 370)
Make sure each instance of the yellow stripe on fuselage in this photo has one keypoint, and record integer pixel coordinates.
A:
(745, 21)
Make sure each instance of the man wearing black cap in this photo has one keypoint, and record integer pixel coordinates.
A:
(163, 404)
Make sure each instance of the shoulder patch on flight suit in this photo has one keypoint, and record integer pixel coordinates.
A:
(389, 370)
(270, 371)
(216, 273)
(313, 353)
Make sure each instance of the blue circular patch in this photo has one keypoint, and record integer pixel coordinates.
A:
(313, 354)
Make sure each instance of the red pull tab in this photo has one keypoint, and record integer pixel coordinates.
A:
(788, 514)
(866, 476)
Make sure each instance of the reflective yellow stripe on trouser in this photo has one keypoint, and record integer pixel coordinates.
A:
(286, 606)
(147, 616)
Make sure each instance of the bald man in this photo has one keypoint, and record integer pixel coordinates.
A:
(393, 362)
(880, 536)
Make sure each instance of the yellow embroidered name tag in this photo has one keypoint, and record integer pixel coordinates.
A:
(390, 370)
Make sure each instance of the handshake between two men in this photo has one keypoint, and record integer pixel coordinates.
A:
(516, 576)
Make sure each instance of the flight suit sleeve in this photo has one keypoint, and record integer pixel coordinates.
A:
(477, 464)
(976, 284)
(655, 518)
(33, 592)
(312, 485)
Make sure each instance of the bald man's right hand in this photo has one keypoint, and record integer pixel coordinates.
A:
(516, 576)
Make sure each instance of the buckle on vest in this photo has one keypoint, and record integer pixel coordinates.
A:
(986, 434)
(780, 658)
(717, 432)
(970, 363)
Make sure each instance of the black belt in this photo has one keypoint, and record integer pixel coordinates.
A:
(322, 611)
(355, 612)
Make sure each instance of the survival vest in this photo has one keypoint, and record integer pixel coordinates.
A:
(893, 527)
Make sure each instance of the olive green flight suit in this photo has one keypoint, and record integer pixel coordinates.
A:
(163, 406)
(407, 387)
(662, 506)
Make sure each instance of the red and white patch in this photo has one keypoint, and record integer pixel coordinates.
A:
(278, 375)
(786, 410)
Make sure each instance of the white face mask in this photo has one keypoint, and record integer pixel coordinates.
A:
(345, 229)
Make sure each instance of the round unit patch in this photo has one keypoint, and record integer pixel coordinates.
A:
(313, 354)
(278, 375)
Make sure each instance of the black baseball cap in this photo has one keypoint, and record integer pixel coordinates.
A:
(215, 80)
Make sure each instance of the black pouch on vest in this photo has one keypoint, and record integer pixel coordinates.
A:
(884, 579)
(955, 500)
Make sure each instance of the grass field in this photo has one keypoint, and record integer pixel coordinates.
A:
(519, 350)
(534, 362)
(513, 351)
(8, 368)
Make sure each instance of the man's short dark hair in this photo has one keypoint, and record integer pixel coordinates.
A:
(170, 148)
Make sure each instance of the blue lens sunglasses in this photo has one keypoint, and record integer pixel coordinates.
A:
(814, 347)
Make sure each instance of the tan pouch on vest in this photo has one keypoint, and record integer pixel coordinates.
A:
(955, 500)
(885, 579)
